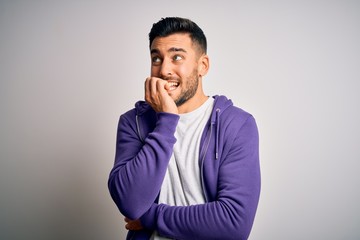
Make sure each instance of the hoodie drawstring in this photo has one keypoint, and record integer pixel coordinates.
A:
(217, 133)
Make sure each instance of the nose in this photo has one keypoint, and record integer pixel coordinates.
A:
(166, 69)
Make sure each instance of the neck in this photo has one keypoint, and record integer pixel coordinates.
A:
(193, 103)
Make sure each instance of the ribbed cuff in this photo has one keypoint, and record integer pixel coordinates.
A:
(167, 121)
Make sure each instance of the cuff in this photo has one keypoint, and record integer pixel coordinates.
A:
(167, 121)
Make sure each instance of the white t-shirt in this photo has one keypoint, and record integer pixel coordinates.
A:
(182, 183)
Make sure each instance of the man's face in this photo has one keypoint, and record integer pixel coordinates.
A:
(176, 59)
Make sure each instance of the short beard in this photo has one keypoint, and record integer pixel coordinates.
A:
(191, 88)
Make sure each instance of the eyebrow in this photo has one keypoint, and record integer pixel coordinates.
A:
(173, 49)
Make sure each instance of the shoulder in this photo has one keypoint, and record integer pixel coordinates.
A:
(141, 108)
(236, 112)
(228, 115)
(129, 118)
(235, 116)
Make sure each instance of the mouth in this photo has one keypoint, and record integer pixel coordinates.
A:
(172, 85)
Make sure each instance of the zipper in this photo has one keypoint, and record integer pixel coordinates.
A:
(206, 146)
(138, 128)
(202, 158)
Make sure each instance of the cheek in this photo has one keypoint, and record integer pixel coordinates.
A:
(154, 72)
(185, 70)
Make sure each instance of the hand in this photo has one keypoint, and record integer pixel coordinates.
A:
(156, 94)
(133, 225)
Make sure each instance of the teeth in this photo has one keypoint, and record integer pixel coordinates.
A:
(173, 85)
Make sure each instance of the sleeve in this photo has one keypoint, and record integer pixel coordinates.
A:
(139, 168)
(231, 214)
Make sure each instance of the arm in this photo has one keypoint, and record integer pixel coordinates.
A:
(139, 168)
(231, 214)
(135, 181)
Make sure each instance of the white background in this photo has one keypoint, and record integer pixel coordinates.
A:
(68, 69)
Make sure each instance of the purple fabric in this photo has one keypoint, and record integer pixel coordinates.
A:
(229, 165)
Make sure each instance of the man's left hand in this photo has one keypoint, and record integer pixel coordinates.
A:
(134, 225)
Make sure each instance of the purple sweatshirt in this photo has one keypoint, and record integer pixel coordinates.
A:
(229, 167)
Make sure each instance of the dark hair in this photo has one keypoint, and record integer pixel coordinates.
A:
(171, 25)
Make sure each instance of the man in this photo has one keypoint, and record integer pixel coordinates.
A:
(186, 165)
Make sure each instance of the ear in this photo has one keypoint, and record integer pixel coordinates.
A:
(204, 65)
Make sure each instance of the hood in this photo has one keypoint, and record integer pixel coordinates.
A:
(221, 103)
(141, 107)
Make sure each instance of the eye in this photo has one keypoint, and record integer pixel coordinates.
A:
(155, 60)
(177, 58)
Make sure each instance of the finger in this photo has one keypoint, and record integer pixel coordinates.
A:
(134, 225)
(167, 86)
(153, 88)
(130, 225)
(147, 89)
(161, 86)
(127, 227)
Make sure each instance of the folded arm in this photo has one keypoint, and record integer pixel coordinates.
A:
(139, 168)
(230, 215)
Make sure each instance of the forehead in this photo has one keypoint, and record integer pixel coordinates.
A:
(176, 40)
